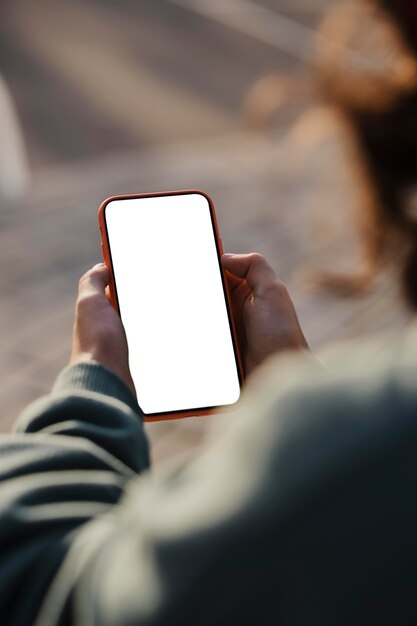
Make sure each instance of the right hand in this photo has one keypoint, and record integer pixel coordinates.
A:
(265, 317)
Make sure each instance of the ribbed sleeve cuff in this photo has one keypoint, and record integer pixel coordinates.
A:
(95, 377)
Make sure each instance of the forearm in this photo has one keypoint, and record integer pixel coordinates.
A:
(68, 462)
(90, 402)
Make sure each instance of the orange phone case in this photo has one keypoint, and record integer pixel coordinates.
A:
(113, 293)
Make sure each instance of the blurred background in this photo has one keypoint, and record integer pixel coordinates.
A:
(101, 97)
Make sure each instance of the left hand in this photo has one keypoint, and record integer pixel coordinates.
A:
(98, 331)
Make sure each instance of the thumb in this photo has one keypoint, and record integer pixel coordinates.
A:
(94, 280)
(253, 268)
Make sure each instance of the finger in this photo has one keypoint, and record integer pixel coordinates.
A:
(253, 268)
(95, 280)
(107, 293)
(238, 289)
(233, 281)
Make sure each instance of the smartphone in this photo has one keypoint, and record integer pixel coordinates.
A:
(169, 287)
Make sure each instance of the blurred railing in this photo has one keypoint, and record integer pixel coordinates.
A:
(14, 169)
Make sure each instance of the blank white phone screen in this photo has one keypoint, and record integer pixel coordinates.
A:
(172, 302)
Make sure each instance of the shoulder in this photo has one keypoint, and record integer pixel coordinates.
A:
(312, 421)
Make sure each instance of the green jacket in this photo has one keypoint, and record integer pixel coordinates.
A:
(299, 510)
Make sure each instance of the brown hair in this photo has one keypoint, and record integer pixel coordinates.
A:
(370, 75)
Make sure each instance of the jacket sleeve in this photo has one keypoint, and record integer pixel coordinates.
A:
(69, 461)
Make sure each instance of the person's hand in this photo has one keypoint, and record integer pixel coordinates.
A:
(98, 331)
(265, 317)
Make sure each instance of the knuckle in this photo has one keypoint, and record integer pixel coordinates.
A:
(275, 289)
(84, 278)
(280, 286)
(258, 258)
(86, 300)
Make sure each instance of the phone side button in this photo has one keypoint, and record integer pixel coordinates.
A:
(221, 245)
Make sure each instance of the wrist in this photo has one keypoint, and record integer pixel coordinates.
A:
(94, 376)
(117, 369)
